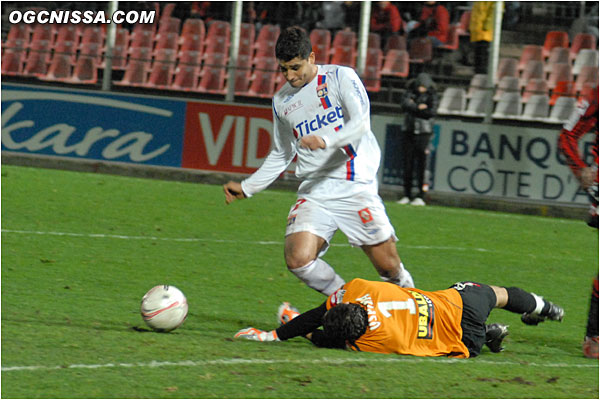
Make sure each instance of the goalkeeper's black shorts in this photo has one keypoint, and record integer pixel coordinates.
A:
(478, 301)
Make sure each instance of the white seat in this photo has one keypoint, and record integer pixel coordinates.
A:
(537, 107)
(454, 101)
(585, 57)
(562, 110)
(509, 106)
(477, 103)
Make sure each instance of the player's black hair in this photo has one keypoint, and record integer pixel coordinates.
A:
(293, 42)
(346, 321)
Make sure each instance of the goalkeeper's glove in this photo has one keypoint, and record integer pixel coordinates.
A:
(257, 334)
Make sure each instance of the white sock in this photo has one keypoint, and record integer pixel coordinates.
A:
(320, 276)
(403, 279)
(539, 304)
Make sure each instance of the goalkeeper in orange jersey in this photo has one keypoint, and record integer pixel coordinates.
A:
(381, 317)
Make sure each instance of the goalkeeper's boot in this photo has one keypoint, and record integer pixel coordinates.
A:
(494, 335)
(590, 347)
(286, 313)
(554, 313)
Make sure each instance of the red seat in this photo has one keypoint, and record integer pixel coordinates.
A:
(13, 56)
(36, 63)
(396, 63)
(268, 33)
(321, 51)
(185, 77)
(555, 39)
(119, 58)
(453, 38)
(582, 41)
(141, 38)
(374, 58)
(190, 43)
(562, 89)
(217, 45)
(169, 24)
(374, 41)
(530, 52)
(344, 55)
(534, 87)
(587, 74)
(242, 74)
(160, 75)
(344, 38)
(86, 68)
(19, 32)
(67, 33)
(558, 55)
(212, 76)
(372, 78)
(320, 36)
(164, 56)
(218, 29)
(420, 50)
(193, 27)
(248, 31)
(64, 48)
(507, 67)
(396, 42)
(190, 57)
(166, 40)
(137, 67)
(559, 72)
(42, 32)
(533, 70)
(263, 78)
(264, 49)
(122, 37)
(59, 69)
(463, 24)
(92, 34)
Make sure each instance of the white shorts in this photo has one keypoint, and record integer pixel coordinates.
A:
(355, 209)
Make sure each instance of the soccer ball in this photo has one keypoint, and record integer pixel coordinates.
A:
(164, 308)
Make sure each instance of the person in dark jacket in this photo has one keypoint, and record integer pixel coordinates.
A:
(419, 104)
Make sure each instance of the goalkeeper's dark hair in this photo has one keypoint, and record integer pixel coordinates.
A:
(346, 321)
(293, 42)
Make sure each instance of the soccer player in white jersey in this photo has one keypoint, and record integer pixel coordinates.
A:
(322, 115)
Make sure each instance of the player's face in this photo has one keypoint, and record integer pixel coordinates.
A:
(298, 71)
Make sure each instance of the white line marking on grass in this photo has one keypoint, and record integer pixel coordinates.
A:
(257, 242)
(336, 361)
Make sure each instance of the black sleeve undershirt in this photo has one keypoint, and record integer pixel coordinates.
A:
(306, 323)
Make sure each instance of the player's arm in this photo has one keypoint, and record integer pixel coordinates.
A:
(355, 103)
(279, 158)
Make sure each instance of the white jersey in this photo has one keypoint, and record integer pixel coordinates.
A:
(335, 106)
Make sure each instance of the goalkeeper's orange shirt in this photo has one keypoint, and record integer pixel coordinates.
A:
(406, 320)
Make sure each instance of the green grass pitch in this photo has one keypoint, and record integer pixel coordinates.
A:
(79, 251)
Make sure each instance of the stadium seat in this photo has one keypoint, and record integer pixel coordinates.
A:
(122, 37)
(372, 78)
(508, 84)
(586, 57)
(582, 41)
(191, 43)
(558, 55)
(534, 86)
(160, 75)
(119, 58)
(265, 48)
(396, 63)
(185, 78)
(190, 57)
(554, 39)
(92, 34)
(530, 52)
(36, 63)
(169, 25)
(165, 56)
(218, 29)
(193, 27)
(247, 32)
(507, 67)
(453, 39)
(67, 33)
(463, 24)
(166, 12)
(477, 103)
(374, 58)
(242, 75)
(344, 55)
(141, 38)
(562, 109)
(344, 38)
(321, 36)
(321, 51)
(562, 89)
(86, 68)
(42, 32)
(212, 76)
(166, 40)
(13, 56)
(19, 32)
(508, 106)
(533, 70)
(587, 90)
(454, 101)
(59, 69)
(263, 78)
(396, 42)
(559, 72)
(537, 107)
(587, 74)
(374, 41)
(420, 50)
(478, 82)
(268, 33)
(64, 48)
(137, 67)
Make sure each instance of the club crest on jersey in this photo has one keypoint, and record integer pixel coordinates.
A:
(365, 215)
(322, 90)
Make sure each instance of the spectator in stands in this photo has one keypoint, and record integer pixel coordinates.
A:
(352, 15)
(386, 20)
(333, 16)
(419, 104)
(433, 23)
(481, 28)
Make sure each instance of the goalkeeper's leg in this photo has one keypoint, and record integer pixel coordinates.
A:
(533, 308)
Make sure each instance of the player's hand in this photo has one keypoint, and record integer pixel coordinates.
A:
(233, 191)
(422, 106)
(312, 142)
(587, 177)
(257, 335)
